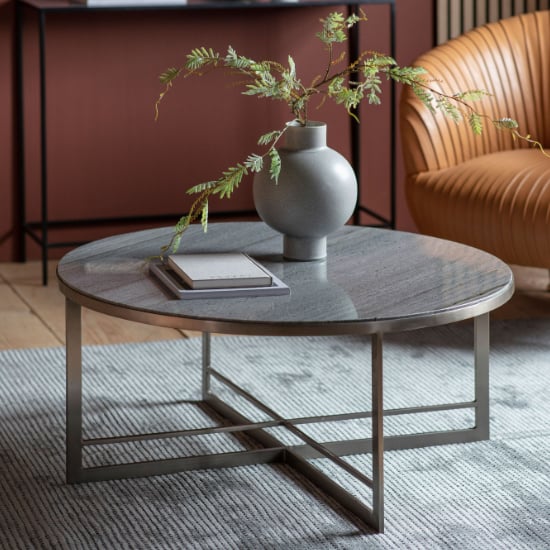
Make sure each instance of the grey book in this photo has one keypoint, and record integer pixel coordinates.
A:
(173, 282)
(219, 270)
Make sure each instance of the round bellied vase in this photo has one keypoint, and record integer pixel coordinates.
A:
(315, 194)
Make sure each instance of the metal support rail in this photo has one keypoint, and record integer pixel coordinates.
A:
(298, 456)
(271, 423)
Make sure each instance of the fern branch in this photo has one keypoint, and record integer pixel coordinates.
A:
(346, 84)
(224, 186)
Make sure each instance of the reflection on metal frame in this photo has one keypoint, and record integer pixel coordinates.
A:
(273, 450)
(455, 17)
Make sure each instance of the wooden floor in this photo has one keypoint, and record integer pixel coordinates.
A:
(32, 315)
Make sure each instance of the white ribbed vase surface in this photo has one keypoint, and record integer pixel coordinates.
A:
(315, 195)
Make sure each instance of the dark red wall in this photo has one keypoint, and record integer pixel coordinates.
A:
(106, 154)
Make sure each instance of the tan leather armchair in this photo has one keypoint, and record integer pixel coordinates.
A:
(487, 191)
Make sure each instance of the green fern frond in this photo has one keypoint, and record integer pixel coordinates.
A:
(200, 58)
(232, 178)
(475, 123)
(373, 96)
(265, 85)
(275, 166)
(335, 86)
(291, 67)
(449, 109)
(176, 241)
(471, 95)
(351, 97)
(354, 19)
(425, 96)
(264, 67)
(372, 85)
(254, 163)
(183, 222)
(298, 108)
(202, 187)
(169, 75)
(288, 83)
(204, 216)
(380, 60)
(266, 139)
(506, 123)
(406, 75)
(239, 62)
(333, 29)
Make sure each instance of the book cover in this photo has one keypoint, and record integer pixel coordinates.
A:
(219, 270)
(169, 278)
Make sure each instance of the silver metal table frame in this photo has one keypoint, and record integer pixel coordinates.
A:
(432, 283)
(274, 450)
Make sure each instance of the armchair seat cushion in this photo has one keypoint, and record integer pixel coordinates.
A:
(499, 202)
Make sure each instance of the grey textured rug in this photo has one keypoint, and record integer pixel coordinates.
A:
(493, 494)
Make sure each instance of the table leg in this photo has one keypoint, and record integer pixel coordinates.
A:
(481, 381)
(372, 516)
(205, 378)
(73, 433)
(276, 450)
(377, 388)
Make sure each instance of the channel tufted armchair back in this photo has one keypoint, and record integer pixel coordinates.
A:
(488, 191)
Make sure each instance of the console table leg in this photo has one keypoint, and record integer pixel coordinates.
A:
(377, 434)
(481, 361)
(205, 377)
(73, 433)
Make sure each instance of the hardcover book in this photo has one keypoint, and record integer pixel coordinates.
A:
(219, 270)
(173, 281)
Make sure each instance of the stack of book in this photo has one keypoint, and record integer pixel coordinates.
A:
(217, 275)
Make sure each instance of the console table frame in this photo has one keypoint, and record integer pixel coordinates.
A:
(39, 230)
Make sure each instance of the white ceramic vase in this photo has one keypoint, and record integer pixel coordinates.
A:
(315, 195)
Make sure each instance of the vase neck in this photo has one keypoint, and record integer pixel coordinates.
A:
(311, 136)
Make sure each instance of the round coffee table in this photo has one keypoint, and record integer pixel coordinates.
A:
(373, 282)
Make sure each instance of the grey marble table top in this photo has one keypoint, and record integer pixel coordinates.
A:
(374, 280)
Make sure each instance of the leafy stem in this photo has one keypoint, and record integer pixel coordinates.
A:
(225, 185)
(348, 85)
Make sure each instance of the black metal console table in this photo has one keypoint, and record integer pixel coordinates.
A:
(39, 230)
